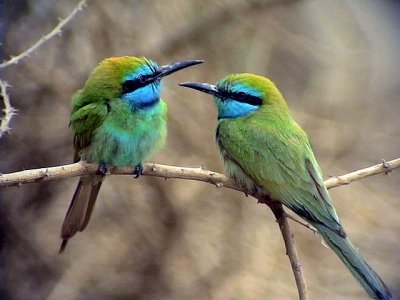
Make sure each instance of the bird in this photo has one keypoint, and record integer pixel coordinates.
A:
(118, 119)
(263, 149)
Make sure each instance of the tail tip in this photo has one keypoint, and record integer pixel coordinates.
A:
(63, 245)
(385, 294)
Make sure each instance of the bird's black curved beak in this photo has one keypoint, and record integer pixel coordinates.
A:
(172, 68)
(203, 87)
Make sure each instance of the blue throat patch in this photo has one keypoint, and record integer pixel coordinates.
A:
(144, 97)
(229, 109)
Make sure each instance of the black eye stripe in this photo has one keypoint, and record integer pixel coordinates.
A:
(242, 97)
(142, 79)
(246, 98)
(132, 85)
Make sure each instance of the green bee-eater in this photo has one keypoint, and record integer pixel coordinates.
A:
(118, 119)
(264, 149)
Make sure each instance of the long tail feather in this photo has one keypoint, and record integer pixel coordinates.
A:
(92, 200)
(81, 207)
(357, 265)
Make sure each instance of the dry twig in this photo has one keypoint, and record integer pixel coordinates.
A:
(281, 218)
(158, 170)
(41, 41)
(8, 110)
(301, 222)
(385, 167)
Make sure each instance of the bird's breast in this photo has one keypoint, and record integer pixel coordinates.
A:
(127, 139)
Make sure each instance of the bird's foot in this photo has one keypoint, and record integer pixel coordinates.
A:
(103, 170)
(138, 171)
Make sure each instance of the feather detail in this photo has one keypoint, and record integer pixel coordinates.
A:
(80, 208)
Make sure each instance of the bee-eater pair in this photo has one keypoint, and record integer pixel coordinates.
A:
(119, 119)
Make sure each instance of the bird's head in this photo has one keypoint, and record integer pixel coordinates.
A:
(239, 95)
(134, 79)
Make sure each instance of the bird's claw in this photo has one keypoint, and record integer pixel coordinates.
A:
(138, 171)
(103, 170)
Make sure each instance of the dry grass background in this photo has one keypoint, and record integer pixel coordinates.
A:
(337, 64)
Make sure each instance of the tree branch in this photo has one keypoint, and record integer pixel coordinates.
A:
(385, 167)
(201, 174)
(288, 238)
(158, 170)
(8, 110)
(41, 41)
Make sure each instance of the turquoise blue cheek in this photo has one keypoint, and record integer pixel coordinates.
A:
(144, 97)
(233, 109)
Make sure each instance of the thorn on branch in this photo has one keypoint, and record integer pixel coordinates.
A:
(8, 110)
(386, 165)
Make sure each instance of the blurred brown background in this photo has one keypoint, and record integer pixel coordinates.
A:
(336, 62)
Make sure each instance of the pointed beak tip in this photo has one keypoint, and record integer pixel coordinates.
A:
(189, 63)
(172, 68)
(202, 87)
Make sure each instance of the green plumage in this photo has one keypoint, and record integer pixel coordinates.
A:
(119, 136)
(118, 119)
(107, 129)
(263, 148)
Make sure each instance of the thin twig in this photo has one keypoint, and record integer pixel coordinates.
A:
(158, 170)
(8, 110)
(301, 222)
(82, 168)
(291, 252)
(385, 167)
(41, 41)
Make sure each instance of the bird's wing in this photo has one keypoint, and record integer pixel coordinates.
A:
(282, 162)
(86, 117)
